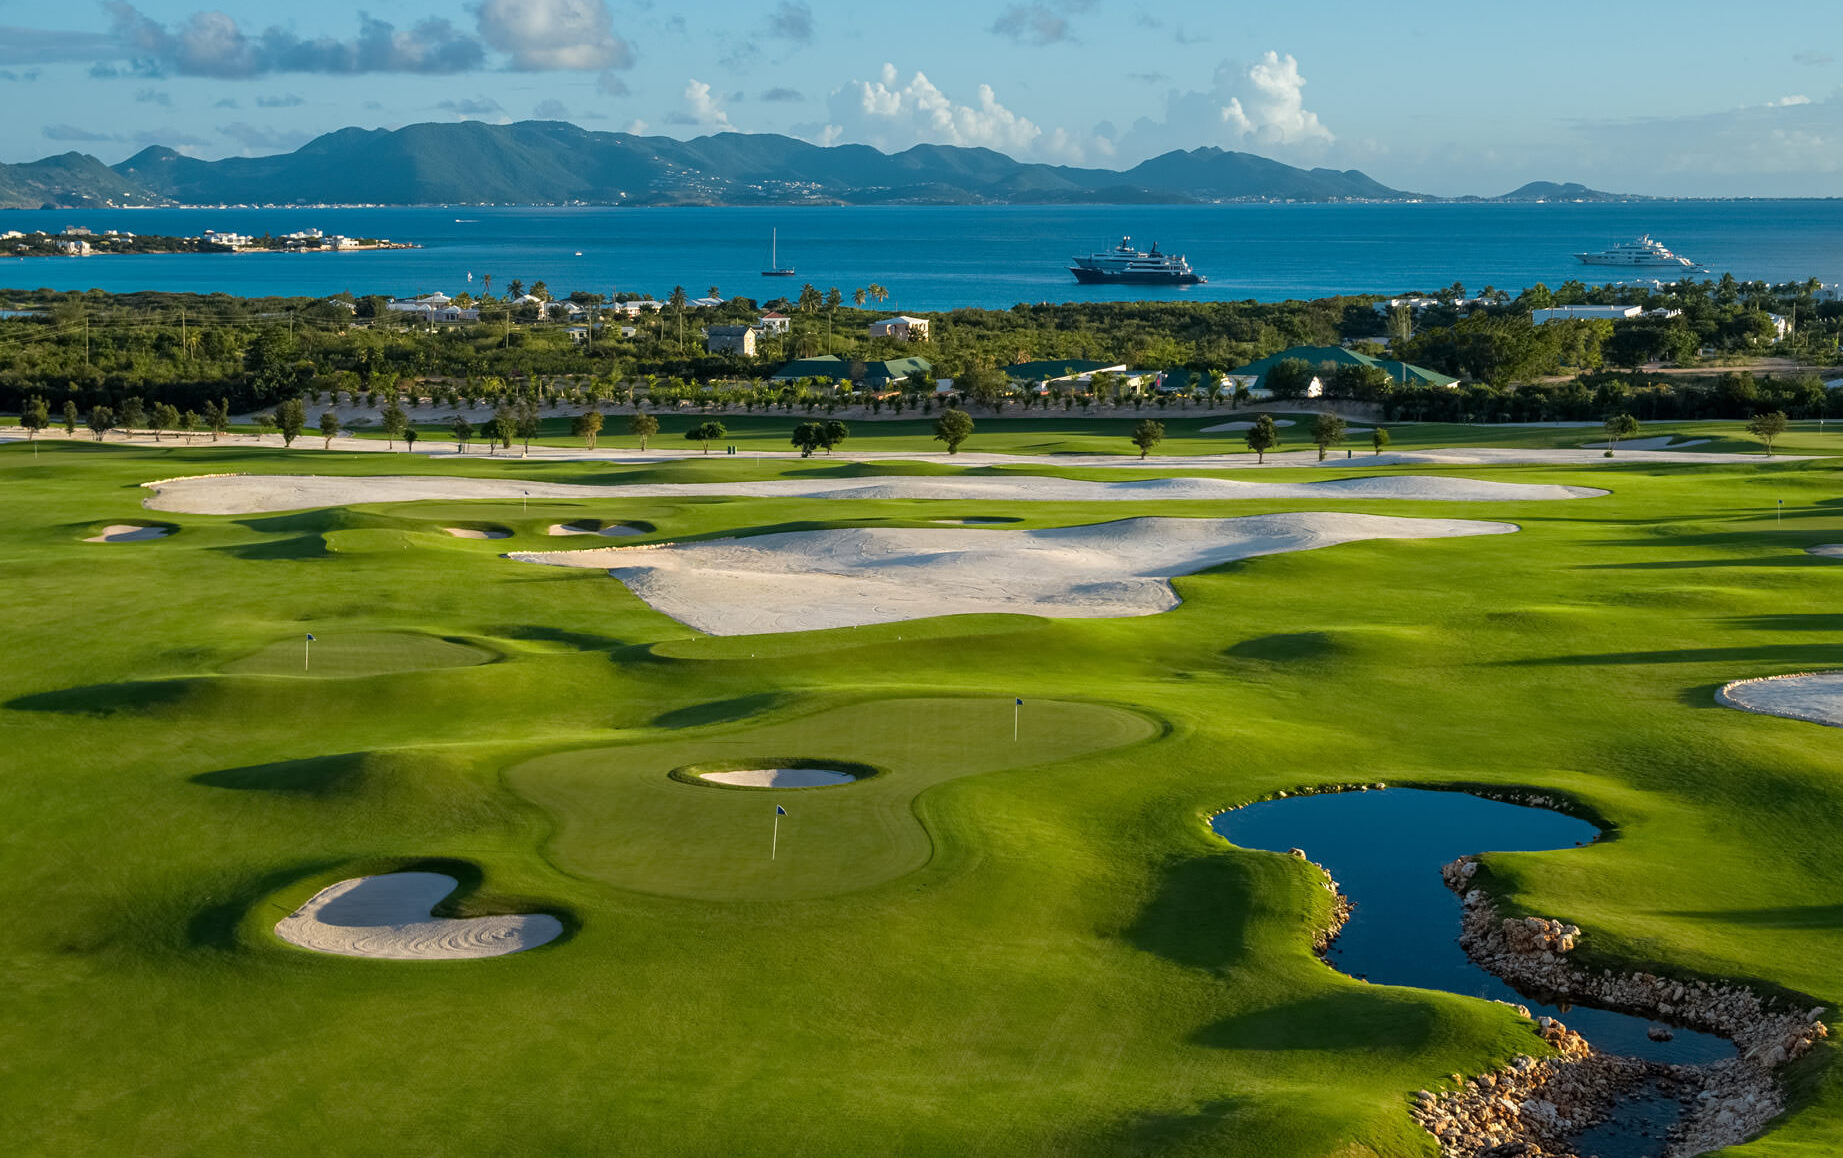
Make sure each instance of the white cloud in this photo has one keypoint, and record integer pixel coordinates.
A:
(1788, 102)
(705, 109)
(893, 115)
(1260, 107)
(213, 44)
(541, 35)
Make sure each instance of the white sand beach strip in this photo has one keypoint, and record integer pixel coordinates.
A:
(129, 533)
(616, 531)
(247, 494)
(780, 777)
(477, 533)
(1815, 697)
(388, 917)
(806, 580)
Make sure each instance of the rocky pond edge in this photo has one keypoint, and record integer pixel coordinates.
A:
(1531, 1107)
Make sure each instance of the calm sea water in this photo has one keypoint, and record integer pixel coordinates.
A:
(938, 258)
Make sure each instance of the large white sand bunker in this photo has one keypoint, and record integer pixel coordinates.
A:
(1816, 697)
(387, 916)
(478, 532)
(128, 533)
(615, 531)
(780, 777)
(806, 580)
(1826, 550)
(1661, 442)
(255, 494)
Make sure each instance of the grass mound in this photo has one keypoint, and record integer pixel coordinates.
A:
(336, 655)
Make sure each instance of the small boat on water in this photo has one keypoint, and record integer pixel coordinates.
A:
(1642, 253)
(1124, 265)
(775, 268)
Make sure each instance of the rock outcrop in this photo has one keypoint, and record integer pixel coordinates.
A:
(1548, 1100)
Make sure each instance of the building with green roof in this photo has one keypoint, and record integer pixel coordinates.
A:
(1254, 374)
(839, 369)
(1058, 369)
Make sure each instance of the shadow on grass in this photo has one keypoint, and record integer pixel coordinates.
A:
(719, 711)
(1302, 646)
(107, 699)
(1788, 917)
(1347, 1019)
(1819, 654)
(317, 776)
(1817, 621)
(1202, 1130)
(1196, 918)
(295, 547)
(537, 633)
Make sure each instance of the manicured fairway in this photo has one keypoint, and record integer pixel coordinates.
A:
(994, 947)
(622, 820)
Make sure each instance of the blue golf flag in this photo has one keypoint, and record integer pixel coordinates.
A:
(779, 811)
(311, 639)
(1020, 703)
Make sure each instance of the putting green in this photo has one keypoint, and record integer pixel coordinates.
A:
(622, 818)
(338, 655)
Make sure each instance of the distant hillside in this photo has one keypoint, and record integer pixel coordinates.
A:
(551, 163)
(1572, 191)
(71, 180)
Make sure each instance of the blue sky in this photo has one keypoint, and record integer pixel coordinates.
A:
(1698, 98)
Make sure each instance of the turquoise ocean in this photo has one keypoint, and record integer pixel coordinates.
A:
(935, 258)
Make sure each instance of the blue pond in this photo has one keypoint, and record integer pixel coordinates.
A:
(1386, 848)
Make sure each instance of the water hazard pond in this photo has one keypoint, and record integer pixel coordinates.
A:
(1385, 848)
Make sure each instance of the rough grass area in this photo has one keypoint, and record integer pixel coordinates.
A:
(995, 948)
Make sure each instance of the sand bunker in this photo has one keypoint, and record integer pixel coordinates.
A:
(848, 577)
(388, 916)
(256, 494)
(129, 533)
(1661, 442)
(477, 533)
(1816, 697)
(1827, 550)
(781, 777)
(614, 531)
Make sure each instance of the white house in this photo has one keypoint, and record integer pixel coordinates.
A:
(1782, 326)
(423, 304)
(704, 303)
(1585, 313)
(902, 328)
(773, 323)
(730, 340)
(633, 309)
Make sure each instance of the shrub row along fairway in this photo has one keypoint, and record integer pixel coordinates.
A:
(992, 947)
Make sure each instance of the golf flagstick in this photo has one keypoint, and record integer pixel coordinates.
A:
(307, 651)
(774, 849)
(1016, 709)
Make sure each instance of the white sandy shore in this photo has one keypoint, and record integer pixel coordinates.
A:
(253, 493)
(129, 533)
(780, 777)
(616, 531)
(388, 916)
(1816, 697)
(476, 533)
(807, 580)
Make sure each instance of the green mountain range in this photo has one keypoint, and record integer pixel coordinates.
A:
(550, 162)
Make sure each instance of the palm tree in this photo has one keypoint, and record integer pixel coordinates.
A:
(715, 292)
(858, 295)
(488, 279)
(678, 305)
(878, 294)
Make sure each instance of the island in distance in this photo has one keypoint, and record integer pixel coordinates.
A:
(553, 162)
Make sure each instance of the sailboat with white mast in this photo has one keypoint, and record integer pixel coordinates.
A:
(775, 268)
